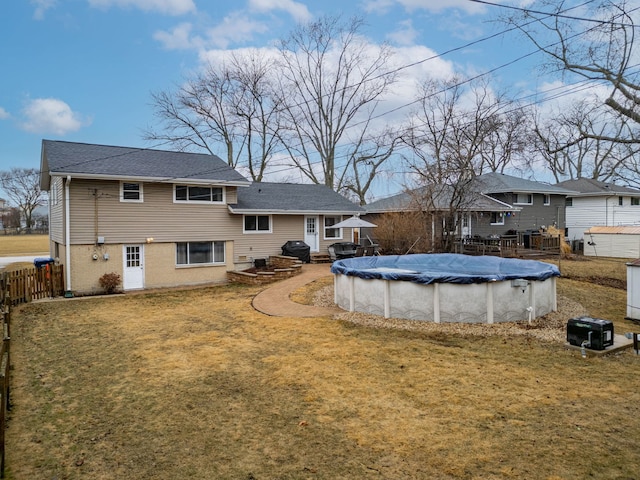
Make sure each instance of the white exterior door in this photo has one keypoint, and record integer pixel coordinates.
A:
(311, 233)
(133, 277)
(466, 225)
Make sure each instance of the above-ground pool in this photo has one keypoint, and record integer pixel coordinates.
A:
(446, 287)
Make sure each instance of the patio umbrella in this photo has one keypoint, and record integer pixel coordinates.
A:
(353, 222)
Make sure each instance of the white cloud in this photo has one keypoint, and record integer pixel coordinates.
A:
(381, 6)
(405, 35)
(237, 27)
(41, 7)
(297, 10)
(234, 28)
(168, 7)
(378, 6)
(179, 38)
(4, 114)
(50, 115)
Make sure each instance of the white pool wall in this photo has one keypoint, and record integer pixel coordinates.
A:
(490, 302)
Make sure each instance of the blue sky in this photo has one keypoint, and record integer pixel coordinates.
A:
(83, 70)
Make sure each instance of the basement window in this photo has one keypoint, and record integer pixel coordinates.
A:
(200, 253)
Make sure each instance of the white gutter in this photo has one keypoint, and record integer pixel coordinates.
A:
(271, 211)
(150, 179)
(67, 234)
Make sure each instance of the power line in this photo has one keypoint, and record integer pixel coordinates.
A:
(409, 65)
(556, 14)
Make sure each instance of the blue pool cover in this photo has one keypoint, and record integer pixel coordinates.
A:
(444, 268)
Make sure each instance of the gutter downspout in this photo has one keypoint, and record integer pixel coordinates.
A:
(67, 235)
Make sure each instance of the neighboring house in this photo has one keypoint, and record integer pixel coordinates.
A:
(540, 205)
(599, 204)
(161, 218)
(494, 204)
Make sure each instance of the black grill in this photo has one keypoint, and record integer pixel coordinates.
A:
(298, 249)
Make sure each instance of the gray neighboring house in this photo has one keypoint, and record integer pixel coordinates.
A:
(495, 204)
(162, 218)
(540, 205)
(599, 204)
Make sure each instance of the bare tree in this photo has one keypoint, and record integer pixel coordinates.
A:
(593, 40)
(367, 155)
(580, 141)
(231, 105)
(456, 134)
(22, 187)
(331, 81)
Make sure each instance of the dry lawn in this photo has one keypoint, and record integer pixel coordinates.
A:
(197, 384)
(15, 245)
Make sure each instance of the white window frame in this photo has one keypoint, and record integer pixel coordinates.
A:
(338, 219)
(131, 200)
(54, 196)
(520, 195)
(256, 231)
(547, 200)
(500, 216)
(207, 202)
(198, 264)
(568, 202)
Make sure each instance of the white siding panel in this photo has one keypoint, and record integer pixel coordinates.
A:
(585, 213)
(589, 212)
(612, 245)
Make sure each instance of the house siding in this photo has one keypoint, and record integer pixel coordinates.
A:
(587, 212)
(56, 212)
(534, 216)
(97, 211)
(160, 269)
(250, 246)
(612, 245)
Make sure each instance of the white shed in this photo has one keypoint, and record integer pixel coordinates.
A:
(633, 290)
(620, 242)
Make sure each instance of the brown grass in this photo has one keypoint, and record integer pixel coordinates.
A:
(196, 384)
(15, 245)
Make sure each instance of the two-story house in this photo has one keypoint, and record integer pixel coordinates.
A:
(490, 205)
(540, 205)
(599, 204)
(161, 218)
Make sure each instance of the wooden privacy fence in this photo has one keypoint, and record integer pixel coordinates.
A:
(34, 283)
(5, 313)
(20, 286)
